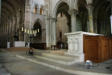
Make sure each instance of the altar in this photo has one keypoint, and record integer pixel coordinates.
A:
(19, 44)
(75, 44)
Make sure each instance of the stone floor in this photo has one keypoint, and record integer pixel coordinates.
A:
(3, 70)
(31, 65)
(15, 66)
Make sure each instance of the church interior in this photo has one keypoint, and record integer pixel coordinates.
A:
(81, 27)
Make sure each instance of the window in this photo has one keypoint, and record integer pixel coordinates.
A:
(35, 9)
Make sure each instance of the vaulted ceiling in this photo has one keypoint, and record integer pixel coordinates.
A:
(101, 7)
(10, 7)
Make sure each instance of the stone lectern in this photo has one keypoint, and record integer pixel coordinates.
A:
(75, 44)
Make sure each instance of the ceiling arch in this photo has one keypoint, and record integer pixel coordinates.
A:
(10, 8)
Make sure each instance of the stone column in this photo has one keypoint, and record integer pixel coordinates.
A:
(73, 14)
(18, 19)
(95, 25)
(10, 26)
(90, 15)
(27, 21)
(47, 32)
(53, 37)
(0, 11)
(111, 15)
(50, 31)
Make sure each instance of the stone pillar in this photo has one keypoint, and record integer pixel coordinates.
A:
(0, 11)
(111, 15)
(73, 14)
(50, 31)
(27, 21)
(18, 20)
(10, 26)
(53, 37)
(90, 15)
(95, 25)
(47, 32)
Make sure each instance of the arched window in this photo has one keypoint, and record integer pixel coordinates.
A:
(41, 10)
(35, 9)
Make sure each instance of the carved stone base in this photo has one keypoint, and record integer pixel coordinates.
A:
(75, 44)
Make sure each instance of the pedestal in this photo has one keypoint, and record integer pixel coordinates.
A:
(75, 44)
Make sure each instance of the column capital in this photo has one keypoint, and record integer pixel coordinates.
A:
(89, 6)
(89, 2)
(73, 11)
(51, 18)
(74, 4)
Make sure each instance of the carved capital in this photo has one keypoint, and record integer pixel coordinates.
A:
(51, 18)
(89, 6)
(89, 2)
(73, 11)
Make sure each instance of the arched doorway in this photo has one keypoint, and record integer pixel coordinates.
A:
(63, 24)
(37, 27)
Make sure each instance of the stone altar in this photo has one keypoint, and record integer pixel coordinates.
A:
(19, 44)
(75, 44)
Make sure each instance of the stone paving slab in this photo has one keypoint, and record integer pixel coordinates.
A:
(3, 71)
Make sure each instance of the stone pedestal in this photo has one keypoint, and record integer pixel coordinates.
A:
(75, 44)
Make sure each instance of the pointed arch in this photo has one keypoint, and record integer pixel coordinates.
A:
(57, 5)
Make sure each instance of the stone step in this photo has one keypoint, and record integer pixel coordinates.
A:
(55, 55)
(17, 49)
(70, 69)
(56, 58)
